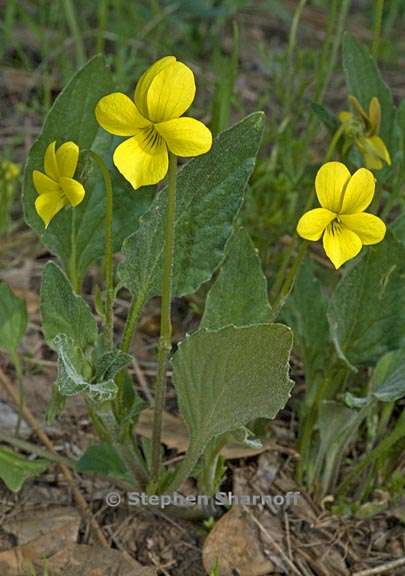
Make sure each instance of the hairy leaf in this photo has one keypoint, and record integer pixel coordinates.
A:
(16, 469)
(13, 319)
(226, 378)
(367, 309)
(64, 312)
(239, 295)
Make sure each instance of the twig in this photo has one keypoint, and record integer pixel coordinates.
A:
(272, 541)
(381, 569)
(36, 428)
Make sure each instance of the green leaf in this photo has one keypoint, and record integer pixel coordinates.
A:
(63, 311)
(225, 379)
(209, 195)
(16, 469)
(326, 117)
(110, 364)
(74, 373)
(13, 319)
(239, 295)
(72, 118)
(367, 309)
(103, 459)
(306, 313)
(388, 380)
(364, 81)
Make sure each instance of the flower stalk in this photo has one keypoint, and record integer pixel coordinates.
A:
(108, 251)
(73, 276)
(165, 323)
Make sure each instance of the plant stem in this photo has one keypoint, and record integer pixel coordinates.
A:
(379, 8)
(165, 322)
(332, 146)
(16, 359)
(74, 28)
(108, 251)
(185, 469)
(130, 324)
(73, 257)
(292, 41)
(102, 17)
(289, 280)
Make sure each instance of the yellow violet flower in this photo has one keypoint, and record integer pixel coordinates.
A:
(57, 188)
(363, 129)
(152, 122)
(341, 220)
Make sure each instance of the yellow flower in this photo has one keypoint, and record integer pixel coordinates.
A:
(10, 170)
(341, 220)
(57, 188)
(363, 130)
(152, 122)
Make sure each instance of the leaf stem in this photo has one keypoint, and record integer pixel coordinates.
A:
(73, 276)
(108, 251)
(165, 322)
(288, 283)
(379, 9)
(130, 324)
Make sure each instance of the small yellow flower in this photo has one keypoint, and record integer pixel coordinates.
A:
(152, 122)
(57, 188)
(341, 220)
(363, 129)
(10, 170)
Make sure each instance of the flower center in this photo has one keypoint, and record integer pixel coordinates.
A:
(335, 227)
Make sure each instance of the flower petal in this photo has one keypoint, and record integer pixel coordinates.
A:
(142, 160)
(73, 190)
(312, 224)
(50, 164)
(43, 184)
(358, 108)
(118, 114)
(330, 181)
(185, 136)
(67, 157)
(359, 192)
(377, 145)
(374, 115)
(369, 228)
(145, 80)
(340, 244)
(48, 205)
(170, 93)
